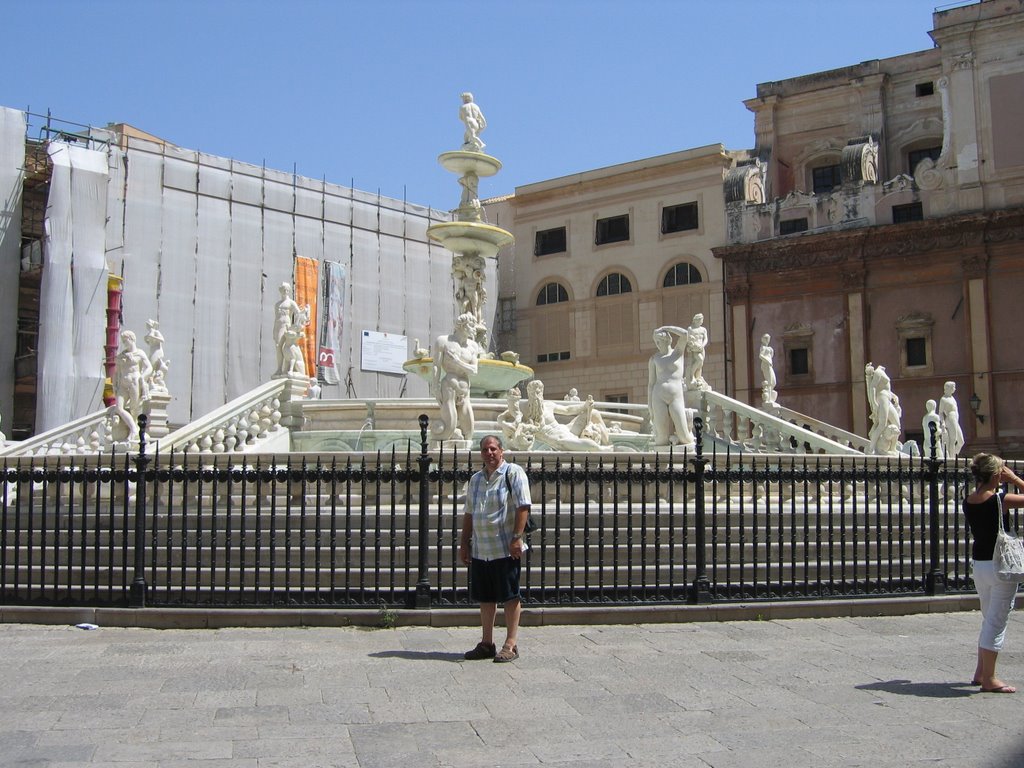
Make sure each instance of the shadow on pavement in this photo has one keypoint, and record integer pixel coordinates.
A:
(418, 655)
(930, 690)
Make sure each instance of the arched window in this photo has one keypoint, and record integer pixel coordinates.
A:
(682, 273)
(552, 293)
(614, 284)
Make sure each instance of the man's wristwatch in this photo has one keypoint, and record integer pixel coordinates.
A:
(517, 537)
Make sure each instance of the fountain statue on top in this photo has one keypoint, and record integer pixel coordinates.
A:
(459, 365)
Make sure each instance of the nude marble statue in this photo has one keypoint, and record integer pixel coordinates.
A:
(473, 119)
(665, 389)
(949, 412)
(456, 359)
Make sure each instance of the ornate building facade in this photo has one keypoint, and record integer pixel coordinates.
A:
(893, 233)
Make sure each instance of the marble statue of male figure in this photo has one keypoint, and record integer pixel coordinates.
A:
(949, 412)
(695, 351)
(456, 359)
(473, 119)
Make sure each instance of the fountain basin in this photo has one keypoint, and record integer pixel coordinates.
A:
(470, 237)
(462, 162)
(493, 377)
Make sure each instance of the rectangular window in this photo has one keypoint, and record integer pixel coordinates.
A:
(825, 179)
(917, 352)
(799, 363)
(552, 357)
(614, 229)
(792, 226)
(549, 241)
(619, 397)
(679, 218)
(901, 214)
(924, 89)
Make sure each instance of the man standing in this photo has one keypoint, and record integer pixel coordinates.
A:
(497, 507)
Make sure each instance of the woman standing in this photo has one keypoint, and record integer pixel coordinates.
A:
(996, 597)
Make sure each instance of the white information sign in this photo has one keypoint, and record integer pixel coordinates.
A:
(384, 352)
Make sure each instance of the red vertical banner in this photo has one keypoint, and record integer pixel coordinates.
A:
(115, 287)
(307, 292)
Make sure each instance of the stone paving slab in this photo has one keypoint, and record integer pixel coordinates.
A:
(817, 692)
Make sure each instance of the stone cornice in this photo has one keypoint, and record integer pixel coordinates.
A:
(956, 233)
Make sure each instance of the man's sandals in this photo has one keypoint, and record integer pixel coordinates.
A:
(506, 654)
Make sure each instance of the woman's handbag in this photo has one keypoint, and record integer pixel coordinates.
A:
(1008, 555)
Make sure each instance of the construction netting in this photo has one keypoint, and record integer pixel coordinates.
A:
(12, 161)
(203, 244)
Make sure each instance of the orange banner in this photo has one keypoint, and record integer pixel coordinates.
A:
(307, 291)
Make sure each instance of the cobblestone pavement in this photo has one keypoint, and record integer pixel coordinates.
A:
(801, 692)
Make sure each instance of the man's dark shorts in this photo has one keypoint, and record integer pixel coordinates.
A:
(494, 581)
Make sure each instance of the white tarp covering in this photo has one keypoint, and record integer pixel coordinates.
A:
(73, 294)
(12, 159)
(204, 242)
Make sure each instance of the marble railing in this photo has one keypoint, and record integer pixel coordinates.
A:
(751, 429)
(89, 434)
(830, 431)
(247, 423)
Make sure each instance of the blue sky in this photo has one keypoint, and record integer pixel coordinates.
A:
(367, 91)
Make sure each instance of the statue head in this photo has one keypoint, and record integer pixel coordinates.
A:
(766, 340)
(949, 388)
(285, 290)
(467, 97)
(128, 338)
(535, 389)
(662, 339)
(929, 406)
(698, 320)
(465, 322)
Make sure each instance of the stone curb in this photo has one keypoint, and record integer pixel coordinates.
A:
(216, 618)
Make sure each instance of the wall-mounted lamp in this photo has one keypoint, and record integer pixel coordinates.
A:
(975, 402)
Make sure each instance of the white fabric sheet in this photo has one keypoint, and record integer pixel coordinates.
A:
(12, 159)
(73, 300)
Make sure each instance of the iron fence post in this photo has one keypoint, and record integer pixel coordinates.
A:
(700, 591)
(137, 592)
(423, 582)
(935, 581)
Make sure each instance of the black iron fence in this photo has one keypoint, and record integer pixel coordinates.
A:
(382, 530)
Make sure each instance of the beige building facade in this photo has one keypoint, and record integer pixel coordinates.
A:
(604, 257)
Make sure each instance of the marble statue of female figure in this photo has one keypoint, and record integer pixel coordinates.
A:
(456, 359)
(540, 413)
(767, 358)
(949, 412)
(665, 394)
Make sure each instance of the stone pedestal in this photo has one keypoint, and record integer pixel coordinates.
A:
(292, 397)
(156, 410)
